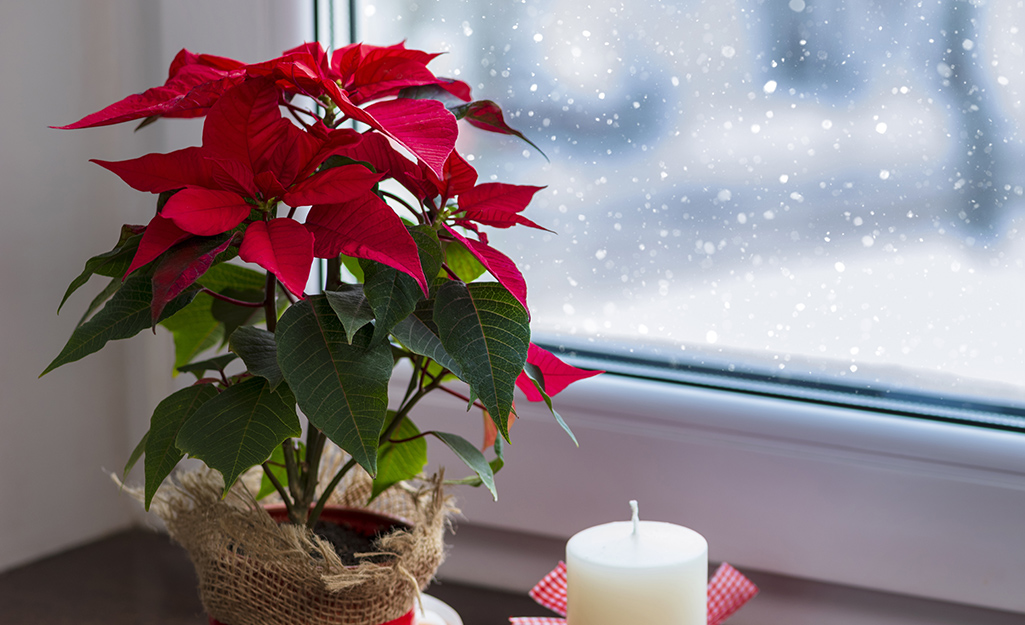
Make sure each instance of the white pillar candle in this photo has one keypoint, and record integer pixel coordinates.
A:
(637, 573)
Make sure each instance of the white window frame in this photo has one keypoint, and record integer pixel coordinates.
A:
(809, 490)
(897, 504)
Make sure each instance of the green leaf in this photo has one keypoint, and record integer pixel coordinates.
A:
(162, 454)
(419, 334)
(112, 264)
(229, 276)
(394, 294)
(391, 293)
(240, 428)
(136, 454)
(487, 332)
(536, 376)
(429, 249)
(337, 160)
(233, 315)
(276, 462)
(400, 461)
(472, 457)
(194, 330)
(496, 466)
(341, 388)
(126, 314)
(259, 351)
(462, 263)
(499, 461)
(217, 363)
(100, 299)
(352, 264)
(352, 308)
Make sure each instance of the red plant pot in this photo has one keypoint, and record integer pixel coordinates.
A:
(363, 522)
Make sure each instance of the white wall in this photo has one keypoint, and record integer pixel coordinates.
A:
(60, 60)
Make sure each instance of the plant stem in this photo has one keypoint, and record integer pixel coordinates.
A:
(416, 360)
(289, 505)
(476, 404)
(403, 202)
(410, 439)
(334, 274)
(287, 294)
(315, 441)
(405, 408)
(230, 300)
(270, 309)
(292, 470)
(448, 270)
(315, 513)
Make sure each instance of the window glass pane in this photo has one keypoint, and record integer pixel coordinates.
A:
(812, 187)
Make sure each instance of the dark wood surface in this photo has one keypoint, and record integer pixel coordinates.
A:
(141, 577)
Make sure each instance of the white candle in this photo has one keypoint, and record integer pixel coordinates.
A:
(637, 573)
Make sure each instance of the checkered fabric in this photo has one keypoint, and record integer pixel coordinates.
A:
(551, 591)
(728, 590)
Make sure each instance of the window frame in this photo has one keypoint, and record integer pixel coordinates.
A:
(896, 504)
(928, 507)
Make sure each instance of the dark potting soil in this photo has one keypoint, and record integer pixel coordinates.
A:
(348, 542)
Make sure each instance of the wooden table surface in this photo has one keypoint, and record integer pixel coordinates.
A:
(141, 577)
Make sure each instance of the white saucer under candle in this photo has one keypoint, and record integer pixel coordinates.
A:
(637, 572)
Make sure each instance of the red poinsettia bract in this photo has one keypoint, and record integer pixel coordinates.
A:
(251, 159)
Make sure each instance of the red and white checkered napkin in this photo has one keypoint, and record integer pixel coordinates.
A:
(728, 591)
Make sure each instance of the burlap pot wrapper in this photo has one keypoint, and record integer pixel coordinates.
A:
(253, 571)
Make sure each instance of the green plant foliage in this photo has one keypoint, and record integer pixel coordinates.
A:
(353, 266)
(487, 332)
(536, 376)
(162, 452)
(217, 363)
(233, 315)
(393, 294)
(419, 334)
(229, 276)
(382, 304)
(123, 316)
(101, 298)
(472, 457)
(194, 330)
(352, 307)
(276, 465)
(258, 349)
(341, 388)
(240, 427)
(496, 466)
(462, 263)
(398, 461)
(136, 454)
(112, 264)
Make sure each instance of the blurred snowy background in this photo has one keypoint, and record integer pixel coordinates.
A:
(820, 187)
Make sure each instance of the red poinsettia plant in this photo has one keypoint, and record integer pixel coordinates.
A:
(348, 157)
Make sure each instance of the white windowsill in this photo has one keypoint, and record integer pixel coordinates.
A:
(835, 495)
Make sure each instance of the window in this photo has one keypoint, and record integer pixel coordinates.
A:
(824, 193)
(812, 199)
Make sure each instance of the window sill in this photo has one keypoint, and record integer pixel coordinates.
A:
(836, 495)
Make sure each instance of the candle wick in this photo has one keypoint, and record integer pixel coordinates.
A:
(634, 516)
